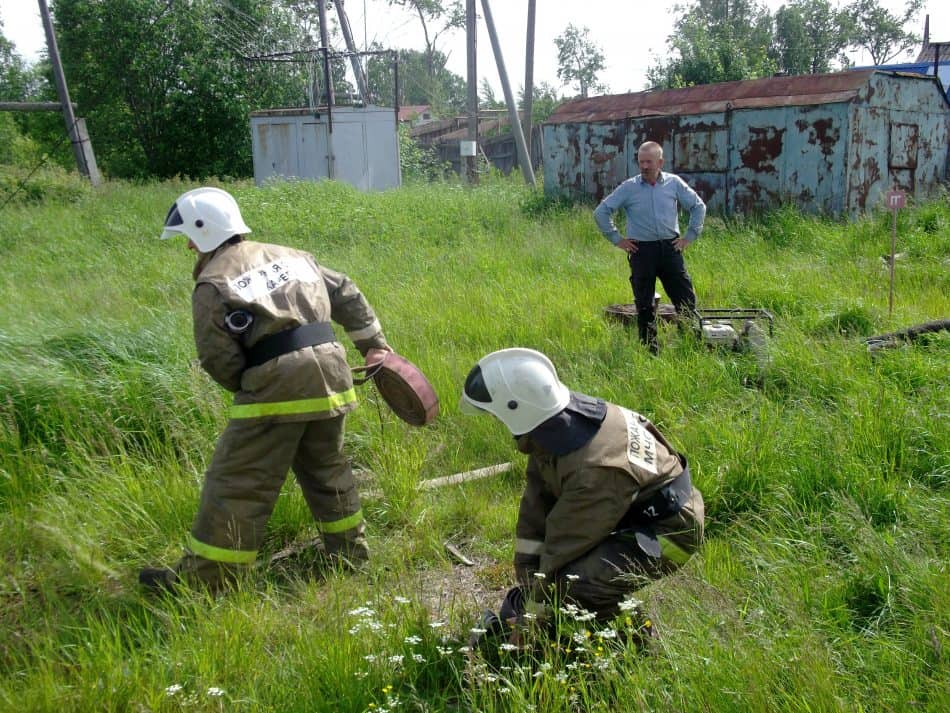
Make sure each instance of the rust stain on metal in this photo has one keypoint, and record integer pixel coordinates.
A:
(823, 133)
(765, 145)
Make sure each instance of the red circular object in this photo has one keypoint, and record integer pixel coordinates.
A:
(405, 389)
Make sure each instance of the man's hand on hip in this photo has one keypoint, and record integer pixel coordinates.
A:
(628, 245)
(680, 245)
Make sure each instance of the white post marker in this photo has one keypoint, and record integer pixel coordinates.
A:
(896, 199)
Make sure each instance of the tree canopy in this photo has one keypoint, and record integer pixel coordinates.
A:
(881, 32)
(167, 87)
(811, 37)
(423, 79)
(579, 59)
(716, 41)
(726, 40)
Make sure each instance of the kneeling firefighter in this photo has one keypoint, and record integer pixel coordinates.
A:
(608, 504)
(262, 330)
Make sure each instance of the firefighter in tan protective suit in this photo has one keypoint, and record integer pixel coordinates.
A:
(262, 330)
(608, 505)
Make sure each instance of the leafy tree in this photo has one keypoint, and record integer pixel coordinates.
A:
(543, 102)
(487, 98)
(811, 37)
(16, 81)
(165, 86)
(441, 89)
(436, 17)
(25, 137)
(881, 32)
(579, 59)
(418, 162)
(716, 41)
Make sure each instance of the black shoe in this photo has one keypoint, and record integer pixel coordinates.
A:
(159, 579)
(489, 627)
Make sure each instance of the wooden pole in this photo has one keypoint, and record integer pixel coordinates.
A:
(63, 92)
(526, 168)
(890, 296)
(529, 75)
(328, 80)
(32, 106)
(471, 31)
(354, 57)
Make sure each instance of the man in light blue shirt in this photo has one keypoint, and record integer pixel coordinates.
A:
(654, 247)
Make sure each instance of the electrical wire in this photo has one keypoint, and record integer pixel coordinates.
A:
(39, 165)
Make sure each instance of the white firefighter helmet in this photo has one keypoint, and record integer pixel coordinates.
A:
(518, 386)
(208, 216)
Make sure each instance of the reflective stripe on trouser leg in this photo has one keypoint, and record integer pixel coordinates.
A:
(241, 485)
(326, 479)
(673, 552)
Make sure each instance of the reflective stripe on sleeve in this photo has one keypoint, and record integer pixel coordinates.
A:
(220, 554)
(528, 547)
(673, 552)
(366, 332)
(342, 525)
(285, 408)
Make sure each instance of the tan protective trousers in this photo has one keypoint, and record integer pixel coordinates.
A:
(241, 486)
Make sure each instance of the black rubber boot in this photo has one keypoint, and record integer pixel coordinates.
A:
(159, 579)
(646, 328)
(493, 629)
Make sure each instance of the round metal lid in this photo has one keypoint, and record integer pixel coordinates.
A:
(405, 389)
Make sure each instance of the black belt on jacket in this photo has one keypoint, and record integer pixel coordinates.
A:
(664, 503)
(290, 340)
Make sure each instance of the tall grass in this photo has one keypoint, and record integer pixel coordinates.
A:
(823, 582)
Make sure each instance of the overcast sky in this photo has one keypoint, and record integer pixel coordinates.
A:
(631, 35)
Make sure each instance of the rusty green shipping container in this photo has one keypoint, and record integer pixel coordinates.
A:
(830, 143)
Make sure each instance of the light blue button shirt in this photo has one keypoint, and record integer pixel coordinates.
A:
(651, 210)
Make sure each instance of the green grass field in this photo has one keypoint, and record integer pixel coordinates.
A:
(823, 584)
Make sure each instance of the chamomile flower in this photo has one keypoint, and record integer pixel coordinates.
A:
(630, 604)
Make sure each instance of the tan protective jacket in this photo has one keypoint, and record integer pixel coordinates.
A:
(282, 288)
(573, 502)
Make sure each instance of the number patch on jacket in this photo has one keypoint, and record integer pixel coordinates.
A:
(264, 279)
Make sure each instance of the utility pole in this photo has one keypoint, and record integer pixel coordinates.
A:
(82, 148)
(529, 76)
(325, 42)
(470, 152)
(354, 56)
(523, 159)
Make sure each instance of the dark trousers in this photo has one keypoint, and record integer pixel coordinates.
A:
(653, 259)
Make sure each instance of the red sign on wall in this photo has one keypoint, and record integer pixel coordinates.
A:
(896, 199)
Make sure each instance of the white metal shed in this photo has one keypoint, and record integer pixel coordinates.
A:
(358, 145)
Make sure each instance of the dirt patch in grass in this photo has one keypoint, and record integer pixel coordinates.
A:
(459, 590)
